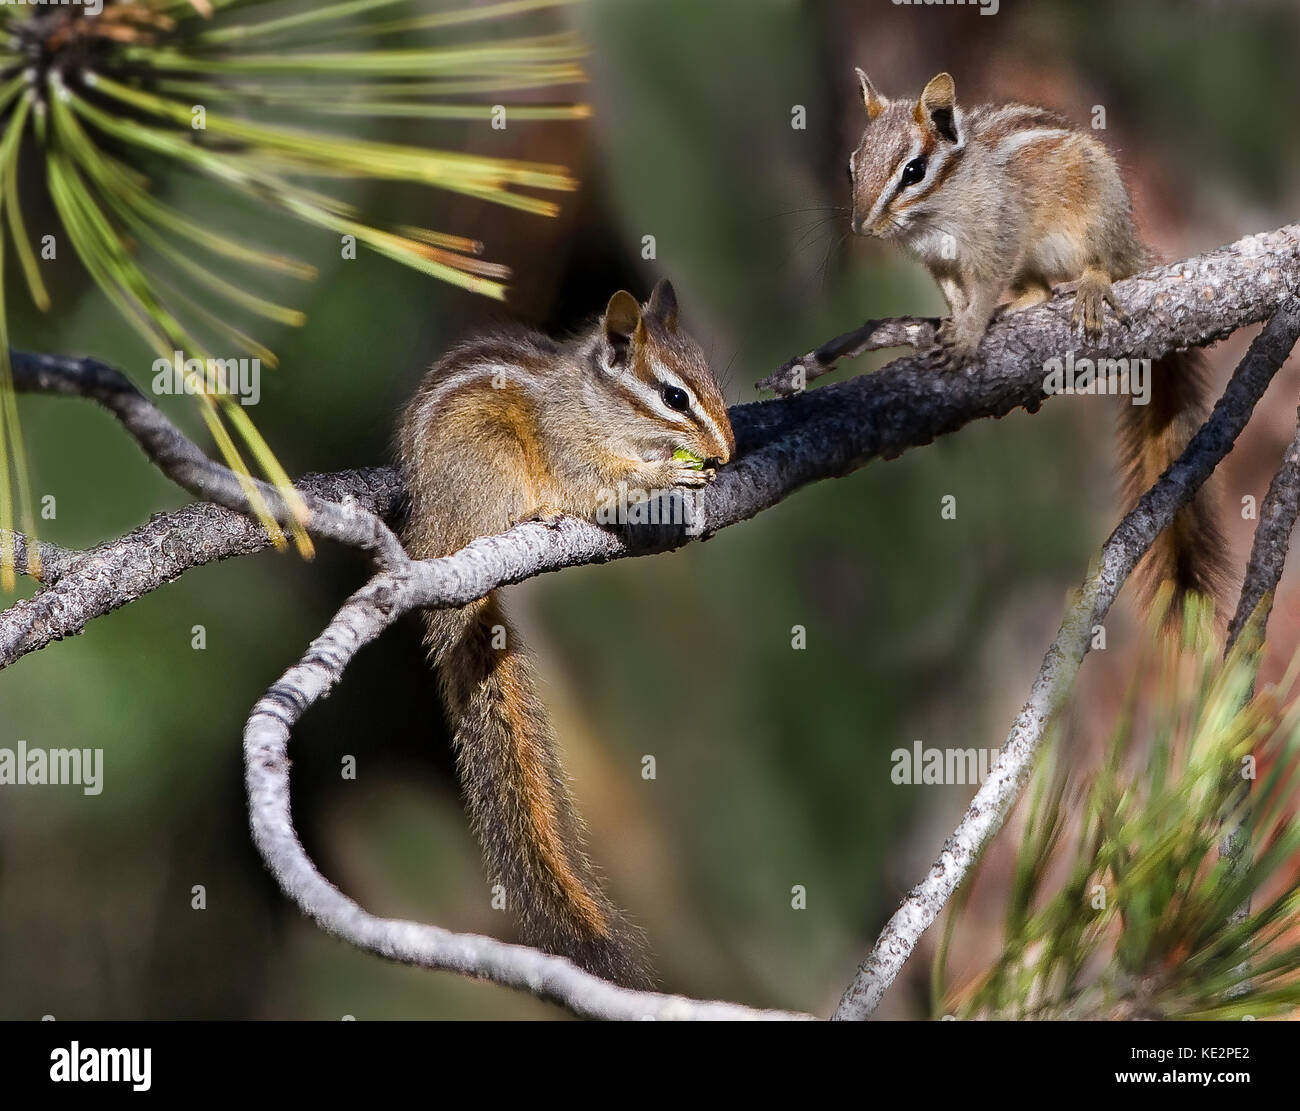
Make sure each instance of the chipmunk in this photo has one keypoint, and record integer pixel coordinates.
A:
(512, 427)
(1001, 203)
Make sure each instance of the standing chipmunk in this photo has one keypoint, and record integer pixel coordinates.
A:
(1001, 203)
(511, 427)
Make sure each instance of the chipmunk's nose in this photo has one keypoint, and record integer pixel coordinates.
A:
(859, 224)
(724, 445)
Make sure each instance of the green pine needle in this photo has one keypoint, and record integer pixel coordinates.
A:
(1132, 915)
(260, 77)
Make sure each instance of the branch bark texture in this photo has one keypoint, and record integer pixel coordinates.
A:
(782, 446)
(1120, 554)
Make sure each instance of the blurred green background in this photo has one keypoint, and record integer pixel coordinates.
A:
(773, 763)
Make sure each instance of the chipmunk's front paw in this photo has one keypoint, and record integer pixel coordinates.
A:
(542, 515)
(952, 348)
(1090, 301)
(691, 477)
(685, 469)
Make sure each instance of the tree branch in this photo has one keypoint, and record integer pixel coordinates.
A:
(266, 738)
(1268, 551)
(181, 460)
(875, 335)
(1120, 554)
(824, 433)
(84, 585)
(782, 446)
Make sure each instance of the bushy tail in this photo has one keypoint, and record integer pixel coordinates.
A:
(517, 796)
(1191, 551)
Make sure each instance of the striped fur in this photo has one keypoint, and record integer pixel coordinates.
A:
(506, 427)
(1013, 201)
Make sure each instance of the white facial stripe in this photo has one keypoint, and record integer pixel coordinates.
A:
(648, 396)
(655, 395)
(696, 409)
(934, 164)
(938, 158)
(888, 193)
(665, 374)
(715, 432)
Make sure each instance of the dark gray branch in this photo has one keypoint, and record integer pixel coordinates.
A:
(874, 335)
(1268, 551)
(783, 445)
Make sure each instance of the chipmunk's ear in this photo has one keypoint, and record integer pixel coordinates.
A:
(623, 326)
(875, 103)
(663, 304)
(936, 110)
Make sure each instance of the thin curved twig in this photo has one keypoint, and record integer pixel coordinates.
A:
(875, 335)
(1268, 552)
(181, 460)
(266, 738)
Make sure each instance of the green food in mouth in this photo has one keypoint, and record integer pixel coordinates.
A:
(693, 461)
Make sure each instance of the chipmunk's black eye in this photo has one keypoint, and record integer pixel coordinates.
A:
(675, 398)
(913, 172)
